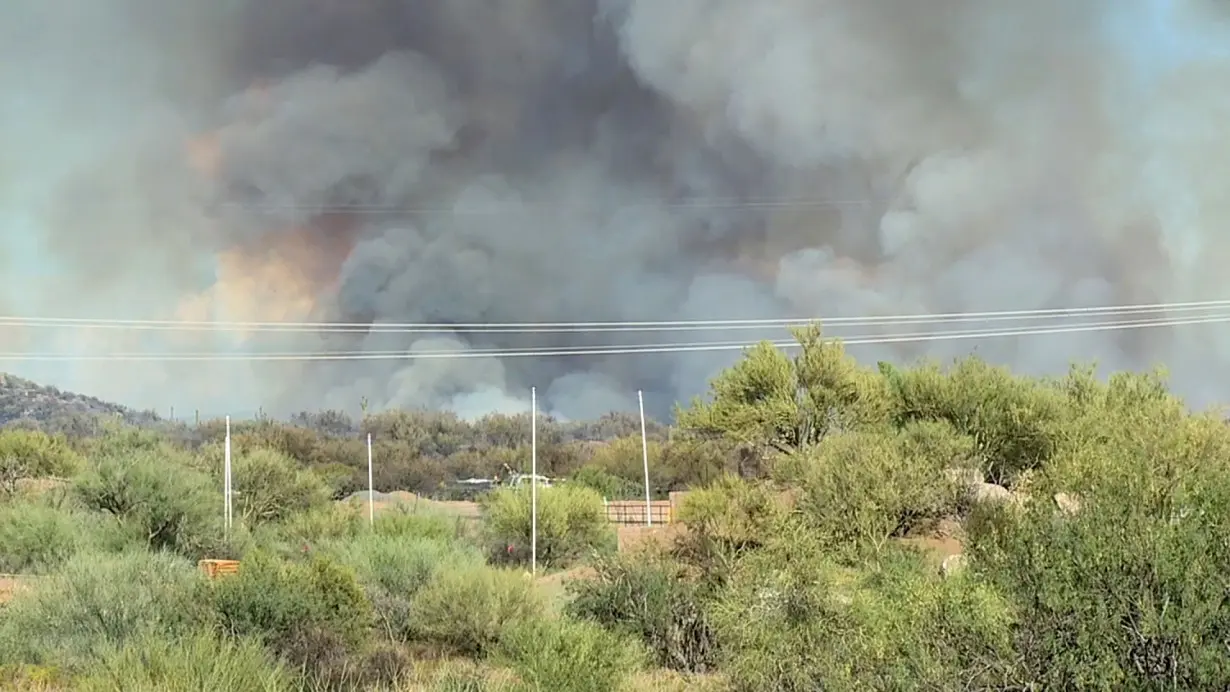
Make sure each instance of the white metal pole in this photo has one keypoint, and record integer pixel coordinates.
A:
(640, 398)
(371, 489)
(533, 480)
(227, 471)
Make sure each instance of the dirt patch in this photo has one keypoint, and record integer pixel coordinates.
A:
(10, 585)
(633, 538)
(939, 540)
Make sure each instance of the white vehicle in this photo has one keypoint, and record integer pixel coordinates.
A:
(519, 479)
(516, 479)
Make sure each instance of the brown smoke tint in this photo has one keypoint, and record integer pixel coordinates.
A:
(533, 160)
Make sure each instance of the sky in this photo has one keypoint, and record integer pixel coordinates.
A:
(1157, 37)
(1147, 29)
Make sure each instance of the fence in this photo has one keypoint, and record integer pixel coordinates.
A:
(633, 511)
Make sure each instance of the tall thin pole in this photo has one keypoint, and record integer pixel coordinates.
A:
(371, 488)
(533, 480)
(226, 491)
(640, 399)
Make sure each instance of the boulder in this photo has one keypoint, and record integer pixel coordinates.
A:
(952, 564)
(989, 492)
(1067, 503)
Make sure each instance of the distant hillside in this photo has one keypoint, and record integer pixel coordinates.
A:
(23, 400)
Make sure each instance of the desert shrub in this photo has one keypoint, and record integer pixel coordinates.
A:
(769, 399)
(791, 619)
(1011, 419)
(304, 532)
(393, 568)
(467, 610)
(572, 523)
(861, 489)
(116, 438)
(269, 486)
(33, 454)
(726, 520)
(565, 654)
(287, 604)
(607, 484)
(198, 662)
(323, 661)
(99, 601)
(462, 675)
(301, 532)
(1130, 591)
(623, 458)
(173, 506)
(407, 523)
(690, 461)
(35, 537)
(655, 600)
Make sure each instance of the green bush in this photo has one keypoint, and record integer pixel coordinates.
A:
(281, 602)
(727, 520)
(35, 537)
(393, 569)
(770, 400)
(1011, 420)
(861, 489)
(301, 532)
(402, 522)
(172, 506)
(191, 664)
(563, 654)
(572, 523)
(468, 676)
(99, 601)
(467, 610)
(1130, 592)
(269, 485)
(33, 454)
(655, 600)
(791, 619)
(607, 484)
(118, 439)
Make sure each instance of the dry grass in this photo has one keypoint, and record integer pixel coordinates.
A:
(12, 584)
(670, 681)
(32, 679)
(404, 501)
(633, 538)
(427, 675)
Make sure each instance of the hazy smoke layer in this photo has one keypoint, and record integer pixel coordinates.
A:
(529, 160)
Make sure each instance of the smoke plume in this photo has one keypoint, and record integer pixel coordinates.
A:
(464, 161)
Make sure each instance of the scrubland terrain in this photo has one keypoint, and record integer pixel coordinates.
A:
(845, 528)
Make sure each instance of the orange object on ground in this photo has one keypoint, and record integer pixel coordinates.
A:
(217, 568)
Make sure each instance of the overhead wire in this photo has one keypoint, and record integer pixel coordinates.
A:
(692, 347)
(505, 208)
(605, 326)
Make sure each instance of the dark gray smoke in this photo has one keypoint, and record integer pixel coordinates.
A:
(530, 160)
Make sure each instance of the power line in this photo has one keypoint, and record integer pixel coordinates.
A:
(694, 347)
(599, 327)
(504, 208)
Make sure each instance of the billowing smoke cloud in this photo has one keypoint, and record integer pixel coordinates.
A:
(377, 161)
